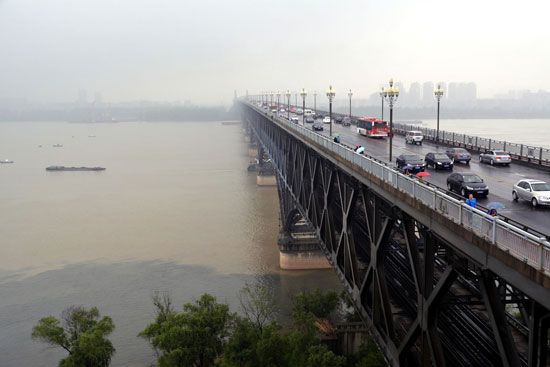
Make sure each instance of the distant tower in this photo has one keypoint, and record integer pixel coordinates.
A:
(235, 95)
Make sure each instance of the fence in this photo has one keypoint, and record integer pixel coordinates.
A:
(525, 246)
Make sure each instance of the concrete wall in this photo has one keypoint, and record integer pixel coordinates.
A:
(303, 260)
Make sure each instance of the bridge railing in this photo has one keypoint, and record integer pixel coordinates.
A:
(523, 152)
(525, 246)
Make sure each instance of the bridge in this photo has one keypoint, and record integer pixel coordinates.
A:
(435, 281)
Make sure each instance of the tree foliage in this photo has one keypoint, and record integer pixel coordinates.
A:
(258, 303)
(193, 337)
(81, 333)
(317, 303)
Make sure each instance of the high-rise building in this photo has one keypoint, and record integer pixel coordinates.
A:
(414, 94)
(427, 92)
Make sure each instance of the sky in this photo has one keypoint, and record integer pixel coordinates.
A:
(203, 50)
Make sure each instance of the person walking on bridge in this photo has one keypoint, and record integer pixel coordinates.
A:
(471, 201)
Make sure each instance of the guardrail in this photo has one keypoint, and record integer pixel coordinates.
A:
(523, 245)
(522, 152)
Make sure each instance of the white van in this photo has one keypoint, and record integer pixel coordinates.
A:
(414, 137)
(308, 112)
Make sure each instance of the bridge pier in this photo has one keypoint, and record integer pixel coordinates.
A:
(266, 172)
(301, 251)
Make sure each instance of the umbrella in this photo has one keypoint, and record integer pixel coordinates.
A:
(422, 174)
(495, 205)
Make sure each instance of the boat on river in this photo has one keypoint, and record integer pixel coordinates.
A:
(63, 168)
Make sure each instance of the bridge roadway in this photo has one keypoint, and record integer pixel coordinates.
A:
(500, 179)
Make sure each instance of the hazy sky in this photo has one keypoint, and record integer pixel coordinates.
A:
(202, 50)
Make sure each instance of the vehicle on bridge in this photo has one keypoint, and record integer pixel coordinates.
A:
(459, 155)
(346, 121)
(466, 184)
(294, 119)
(326, 120)
(308, 112)
(535, 191)
(317, 126)
(372, 127)
(299, 111)
(438, 161)
(338, 119)
(310, 120)
(495, 157)
(414, 137)
(410, 163)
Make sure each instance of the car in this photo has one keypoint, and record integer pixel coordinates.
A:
(535, 191)
(414, 137)
(317, 126)
(308, 112)
(438, 161)
(282, 110)
(310, 120)
(495, 157)
(294, 120)
(326, 120)
(459, 155)
(410, 163)
(466, 184)
(299, 111)
(346, 121)
(338, 119)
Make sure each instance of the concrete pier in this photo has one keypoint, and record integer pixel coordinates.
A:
(301, 251)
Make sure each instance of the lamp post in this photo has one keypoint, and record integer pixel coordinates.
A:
(315, 102)
(267, 99)
(288, 104)
(296, 100)
(438, 92)
(391, 94)
(278, 101)
(330, 94)
(349, 95)
(303, 93)
(271, 101)
(382, 98)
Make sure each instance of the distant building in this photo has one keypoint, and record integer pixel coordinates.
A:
(414, 95)
(427, 93)
(82, 99)
(460, 93)
(97, 98)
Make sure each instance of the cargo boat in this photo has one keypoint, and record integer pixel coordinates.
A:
(63, 168)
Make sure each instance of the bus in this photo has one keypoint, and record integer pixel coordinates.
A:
(372, 127)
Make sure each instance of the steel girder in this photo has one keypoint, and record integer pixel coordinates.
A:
(424, 302)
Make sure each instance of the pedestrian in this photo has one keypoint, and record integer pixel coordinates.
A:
(471, 201)
(492, 212)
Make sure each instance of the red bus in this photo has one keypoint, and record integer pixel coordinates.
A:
(372, 127)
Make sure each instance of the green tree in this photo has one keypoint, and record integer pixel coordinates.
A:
(81, 333)
(193, 337)
(258, 303)
(321, 356)
(369, 356)
(317, 303)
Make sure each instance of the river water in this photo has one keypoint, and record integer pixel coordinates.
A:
(175, 211)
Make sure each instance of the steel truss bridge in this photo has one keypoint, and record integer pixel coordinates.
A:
(436, 284)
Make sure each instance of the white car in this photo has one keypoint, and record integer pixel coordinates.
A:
(414, 137)
(294, 119)
(535, 191)
(495, 157)
(326, 120)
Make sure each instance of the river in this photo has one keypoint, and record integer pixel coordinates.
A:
(175, 211)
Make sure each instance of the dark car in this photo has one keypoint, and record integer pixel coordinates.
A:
(317, 126)
(346, 121)
(466, 184)
(438, 161)
(459, 155)
(338, 119)
(310, 120)
(410, 163)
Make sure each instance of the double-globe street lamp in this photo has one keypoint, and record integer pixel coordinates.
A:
(391, 94)
(271, 101)
(330, 94)
(288, 104)
(278, 101)
(315, 102)
(303, 93)
(438, 93)
(382, 98)
(349, 95)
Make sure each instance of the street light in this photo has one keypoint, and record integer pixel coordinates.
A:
(296, 100)
(271, 101)
(349, 95)
(303, 93)
(438, 92)
(315, 102)
(330, 94)
(382, 98)
(288, 104)
(391, 94)
(278, 101)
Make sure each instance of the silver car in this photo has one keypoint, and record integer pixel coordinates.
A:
(495, 157)
(535, 191)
